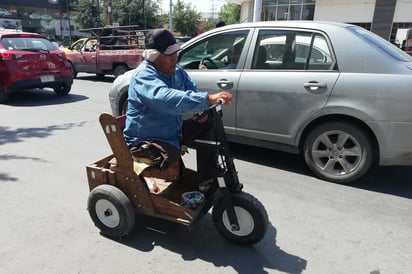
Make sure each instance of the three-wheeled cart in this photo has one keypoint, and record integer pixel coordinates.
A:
(118, 189)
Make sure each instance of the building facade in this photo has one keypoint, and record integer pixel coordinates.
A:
(388, 18)
(48, 17)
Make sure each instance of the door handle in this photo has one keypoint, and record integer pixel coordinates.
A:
(312, 85)
(223, 83)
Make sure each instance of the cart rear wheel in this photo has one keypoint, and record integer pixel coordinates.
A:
(252, 217)
(111, 210)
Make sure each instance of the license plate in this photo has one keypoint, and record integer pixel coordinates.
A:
(47, 78)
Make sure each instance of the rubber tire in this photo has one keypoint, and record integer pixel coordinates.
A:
(357, 167)
(119, 70)
(252, 217)
(123, 105)
(3, 96)
(108, 199)
(74, 72)
(62, 90)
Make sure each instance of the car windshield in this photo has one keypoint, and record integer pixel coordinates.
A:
(27, 43)
(381, 43)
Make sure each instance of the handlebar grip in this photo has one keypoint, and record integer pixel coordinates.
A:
(221, 101)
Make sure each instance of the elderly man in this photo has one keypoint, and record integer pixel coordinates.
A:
(160, 92)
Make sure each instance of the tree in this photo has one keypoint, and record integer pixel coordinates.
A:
(135, 12)
(125, 12)
(83, 15)
(185, 19)
(230, 13)
(209, 24)
(163, 20)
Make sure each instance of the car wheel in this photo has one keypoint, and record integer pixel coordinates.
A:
(119, 70)
(123, 105)
(74, 72)
(338, 152)
(111, 211)
(62, 90)
(252, 218)
(3, 95)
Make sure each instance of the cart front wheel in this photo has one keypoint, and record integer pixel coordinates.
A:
(111, 211)
(251, 215)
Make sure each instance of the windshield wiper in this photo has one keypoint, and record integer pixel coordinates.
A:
(36, 50)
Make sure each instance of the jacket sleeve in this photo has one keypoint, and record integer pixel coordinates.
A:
(155, 92)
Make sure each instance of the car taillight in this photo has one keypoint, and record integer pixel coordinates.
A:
(62, 55)
(4, 55)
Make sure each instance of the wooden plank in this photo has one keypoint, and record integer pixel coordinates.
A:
(115, 138)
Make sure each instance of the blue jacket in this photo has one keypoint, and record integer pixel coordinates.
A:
(156, 104)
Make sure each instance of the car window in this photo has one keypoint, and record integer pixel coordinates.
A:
(221, 51)
(27, 43)
(284, 49)
(77, 45)
(90, 45)
(381, 43)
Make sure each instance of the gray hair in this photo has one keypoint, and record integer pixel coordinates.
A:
(151, 54)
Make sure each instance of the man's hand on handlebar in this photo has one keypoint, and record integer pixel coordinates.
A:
(226, 96)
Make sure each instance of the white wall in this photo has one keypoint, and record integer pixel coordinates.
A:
(246, 11)
(345, 10)
(354, 11)
(403, 11)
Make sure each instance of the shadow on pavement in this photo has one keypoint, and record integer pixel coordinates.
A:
(41, 97)
(393, 180)
(204, 243)
(95, 78)
(17, 135)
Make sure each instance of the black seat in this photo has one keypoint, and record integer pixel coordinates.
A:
(261, 59)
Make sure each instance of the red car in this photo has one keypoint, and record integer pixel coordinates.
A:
(30, 60)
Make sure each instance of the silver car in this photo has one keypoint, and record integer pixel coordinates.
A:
(336, 93)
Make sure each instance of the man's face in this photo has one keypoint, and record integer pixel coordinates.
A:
(166, 64)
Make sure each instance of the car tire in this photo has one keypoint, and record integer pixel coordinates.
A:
(74, 72)
(62, 90)
(3, 96)
(338, 152)
(123, 104)
(252, 217)
(111, 211)
(119, 70)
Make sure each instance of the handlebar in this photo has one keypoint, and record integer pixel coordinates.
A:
(221, 101)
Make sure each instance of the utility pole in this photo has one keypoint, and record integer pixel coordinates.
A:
(70, 27)
(170, 17)
(109, 11)
(98, 13)
(144, 15)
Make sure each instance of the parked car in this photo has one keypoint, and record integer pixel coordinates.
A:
(30, 60)
(111, 51)
(77, 45)
(336, 93)
(4, 12)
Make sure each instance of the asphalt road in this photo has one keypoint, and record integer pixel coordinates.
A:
(315, 226)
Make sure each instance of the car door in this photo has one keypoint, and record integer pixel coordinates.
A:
(87, 59)
(208, 61)
(286, 82)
